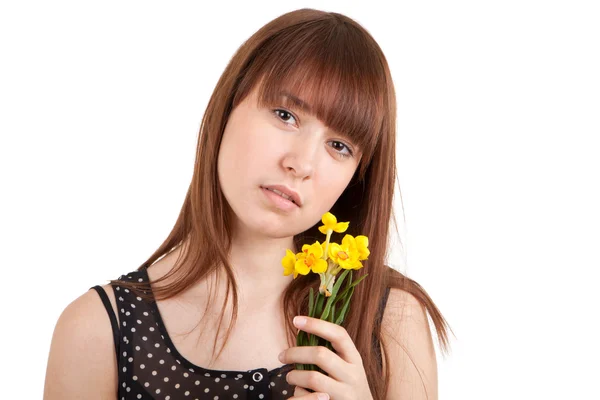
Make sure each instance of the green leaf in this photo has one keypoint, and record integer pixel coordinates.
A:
(332, 313)
(342, 315)
(358, 280)
(310, 303)
(319, 309)
(314, 340)
(343, 292)
(353, 284)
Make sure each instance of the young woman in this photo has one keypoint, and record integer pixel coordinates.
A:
(301, 122)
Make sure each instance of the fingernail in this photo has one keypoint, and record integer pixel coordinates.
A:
(323, 396)
(299, 321)
(281, 356)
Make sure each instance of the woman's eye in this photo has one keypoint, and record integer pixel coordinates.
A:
(286, 114)
(340, 147)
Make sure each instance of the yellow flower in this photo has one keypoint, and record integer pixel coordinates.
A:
(347, 254)
(310, 259)
(289, 263)
(362, 244)
(330, 223)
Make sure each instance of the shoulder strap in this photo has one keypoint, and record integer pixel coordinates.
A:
(111, 315)
(383, 303)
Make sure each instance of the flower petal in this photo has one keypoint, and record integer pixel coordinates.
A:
(287, 270)
(362, 241)
(363, 254)
(334, 248)
(323, 245)
(350, 261)
(341, 227)
(329, 219)
(289, 256)
(320, 266)
(316, 249)
(348, 242)
(302, 268)
(288, 262)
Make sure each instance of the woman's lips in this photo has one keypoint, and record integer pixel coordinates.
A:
(278, 201)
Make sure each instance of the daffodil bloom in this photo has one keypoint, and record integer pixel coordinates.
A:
(330, 224)
(289, 263)
(311, 259)
(347, 254)
(298, 256)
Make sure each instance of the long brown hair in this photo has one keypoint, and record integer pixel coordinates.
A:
(334, 64)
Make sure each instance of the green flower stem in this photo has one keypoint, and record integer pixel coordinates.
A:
(332, 309)
(328, 278)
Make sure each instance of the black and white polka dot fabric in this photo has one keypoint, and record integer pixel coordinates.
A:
(150, 367)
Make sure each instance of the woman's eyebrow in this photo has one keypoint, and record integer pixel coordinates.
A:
(304, 106)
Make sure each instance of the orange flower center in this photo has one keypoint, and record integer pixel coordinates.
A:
(309, 261)
(342, 255)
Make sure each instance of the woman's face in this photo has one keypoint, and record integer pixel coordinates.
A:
(264, 147)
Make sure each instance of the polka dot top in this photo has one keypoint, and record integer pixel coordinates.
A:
(150, 367)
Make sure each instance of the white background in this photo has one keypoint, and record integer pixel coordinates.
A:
(498, 128)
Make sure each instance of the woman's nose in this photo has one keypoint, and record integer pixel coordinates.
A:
(301, 160)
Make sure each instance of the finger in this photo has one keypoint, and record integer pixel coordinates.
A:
(315, 381)
(321, 356)
(311, 396)
(299, 391)
(302, 394)
(335, 334)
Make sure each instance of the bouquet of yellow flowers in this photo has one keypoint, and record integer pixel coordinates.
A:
(328, 259)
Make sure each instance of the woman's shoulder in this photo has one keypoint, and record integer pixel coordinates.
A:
(82, 355)
(406, 334)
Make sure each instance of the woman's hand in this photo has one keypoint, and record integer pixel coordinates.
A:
(347, 379)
